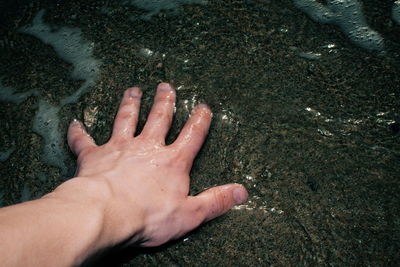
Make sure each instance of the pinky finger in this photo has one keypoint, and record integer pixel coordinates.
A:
(78, 138)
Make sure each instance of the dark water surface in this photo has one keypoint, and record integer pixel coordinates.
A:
(307, 120)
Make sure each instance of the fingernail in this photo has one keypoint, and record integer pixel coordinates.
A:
(75, 122)
(240, 195)
(164, 87)
(202, 107)
(134, 92)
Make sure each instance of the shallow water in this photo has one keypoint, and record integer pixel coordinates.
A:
(303, 116)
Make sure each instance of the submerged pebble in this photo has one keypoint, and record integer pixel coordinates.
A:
(90, 116)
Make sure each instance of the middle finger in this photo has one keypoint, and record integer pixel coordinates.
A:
(160, 117)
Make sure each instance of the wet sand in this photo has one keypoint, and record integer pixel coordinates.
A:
(305, 119)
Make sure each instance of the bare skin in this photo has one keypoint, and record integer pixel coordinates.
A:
(131, 189)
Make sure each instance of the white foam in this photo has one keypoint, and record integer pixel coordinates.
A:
(347, 14)
(8, 94)
(396, 11)
(155, 6)
(315, 10)
(146, 52)
(71, 47)
(310, 55)
(46, 123)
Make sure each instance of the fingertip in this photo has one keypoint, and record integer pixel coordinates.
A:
(75, 122)
(201, 113)
(133, 92)
(203, 109)
(202, 106)
(218, 200)
(166, 91)
(77, 137)
(75, 128)
(165, 87)
(240, 194)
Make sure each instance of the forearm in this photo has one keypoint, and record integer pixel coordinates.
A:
(61, 229)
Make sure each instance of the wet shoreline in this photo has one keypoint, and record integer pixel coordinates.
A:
(313, 138)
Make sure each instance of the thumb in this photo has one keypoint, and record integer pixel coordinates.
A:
(218, 200)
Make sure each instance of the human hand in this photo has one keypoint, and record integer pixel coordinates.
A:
(141, 183)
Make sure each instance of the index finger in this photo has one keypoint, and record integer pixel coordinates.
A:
(193, 134)
(128, 113)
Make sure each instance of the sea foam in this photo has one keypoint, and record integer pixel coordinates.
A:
(396, 11)
(8, 94)
(70, 46)
(47, 124)
(347, 14)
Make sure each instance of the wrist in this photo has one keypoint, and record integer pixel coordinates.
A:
(115, 221)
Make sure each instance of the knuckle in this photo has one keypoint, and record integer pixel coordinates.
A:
(83, 153)
(76, 141)
(220, 202)
(165, 98)
(181, 161)
(198, 129)
(198, 215)
(127, 108)
(158, 114)
(125, 115)
(74, 133)
(161, 114)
